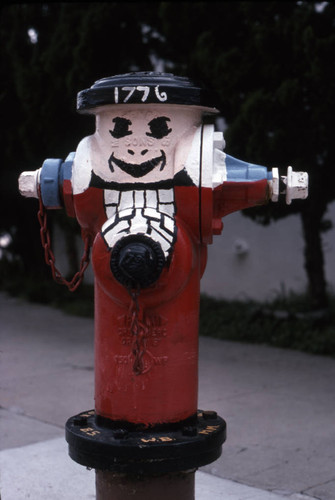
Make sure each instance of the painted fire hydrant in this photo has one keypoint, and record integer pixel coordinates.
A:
(149, 189)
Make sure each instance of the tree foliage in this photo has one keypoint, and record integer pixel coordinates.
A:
(271, 64)
(77, 43)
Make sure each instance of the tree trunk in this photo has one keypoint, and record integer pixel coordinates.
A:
(314, 260)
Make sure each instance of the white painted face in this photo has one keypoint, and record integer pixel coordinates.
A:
(142, 142)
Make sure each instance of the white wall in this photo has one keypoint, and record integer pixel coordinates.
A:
(272, 263)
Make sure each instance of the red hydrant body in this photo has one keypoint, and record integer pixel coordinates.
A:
(149, 190)
(159, 362)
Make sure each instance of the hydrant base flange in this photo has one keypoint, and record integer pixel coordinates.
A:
(146, 451)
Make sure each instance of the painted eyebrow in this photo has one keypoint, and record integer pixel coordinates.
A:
(158, 127)
(121, 128)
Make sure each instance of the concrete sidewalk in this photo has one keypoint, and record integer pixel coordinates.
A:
(279, 406)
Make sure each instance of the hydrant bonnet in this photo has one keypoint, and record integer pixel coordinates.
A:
(145, 87)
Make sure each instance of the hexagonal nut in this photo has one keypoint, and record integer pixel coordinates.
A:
(296, 185)
(28, 184)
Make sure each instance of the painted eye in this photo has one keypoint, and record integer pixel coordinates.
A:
(121, 128)
(158, 127)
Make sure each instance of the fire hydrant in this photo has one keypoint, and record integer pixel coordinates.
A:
(149, 189)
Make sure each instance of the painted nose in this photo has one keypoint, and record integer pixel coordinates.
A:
(132, 152)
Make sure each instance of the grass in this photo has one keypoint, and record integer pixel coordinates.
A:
(285, 322)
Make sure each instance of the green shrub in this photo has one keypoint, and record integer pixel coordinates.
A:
(286, 322)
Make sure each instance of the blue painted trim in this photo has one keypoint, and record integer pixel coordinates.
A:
(54, 172)
(66, 168)
(241, 171)
(49, 181)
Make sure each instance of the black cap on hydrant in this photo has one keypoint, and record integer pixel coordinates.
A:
(150, 86)
(137, 261)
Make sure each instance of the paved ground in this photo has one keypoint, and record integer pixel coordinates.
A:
(279, 406)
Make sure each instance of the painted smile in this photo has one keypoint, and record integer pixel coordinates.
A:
(140, 169)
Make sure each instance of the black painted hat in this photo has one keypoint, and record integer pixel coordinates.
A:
(145, 88)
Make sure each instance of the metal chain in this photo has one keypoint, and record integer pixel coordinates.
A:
(49, 255)
(139, 331)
